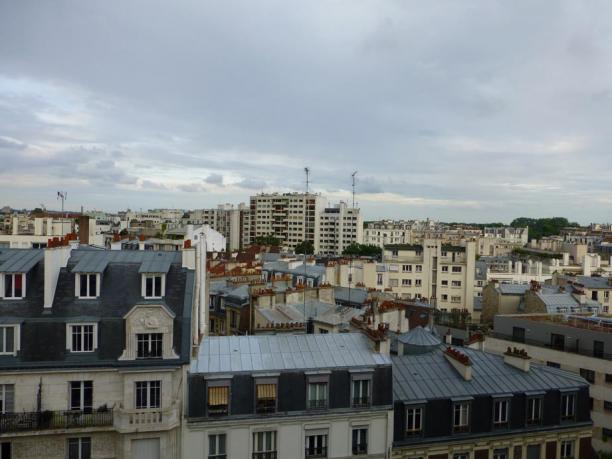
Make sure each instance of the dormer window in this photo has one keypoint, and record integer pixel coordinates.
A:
(87, 285)
(153, 286)
(14, 286)
(149, 345)
(82, 337)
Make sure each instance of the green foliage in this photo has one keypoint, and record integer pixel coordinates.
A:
(537, 254)
(365, 250)
(542, 227)
(267, 240)
(306, 247)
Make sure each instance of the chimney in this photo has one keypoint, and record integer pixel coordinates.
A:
(55, 259)
(84, 229)
(448, 338)
(460, 362)
(517, 358)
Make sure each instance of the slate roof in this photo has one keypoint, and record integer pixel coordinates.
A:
(589, 282)
(358, 295)
(229, 354)
(430, 376)
(419, 336)
(315, 271)
(565, 302)
(513, 289)
(19, 260)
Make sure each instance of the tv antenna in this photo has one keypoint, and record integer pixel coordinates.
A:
(307, 170)
(63, 195)
(353, 177)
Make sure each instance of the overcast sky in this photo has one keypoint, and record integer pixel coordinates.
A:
(454, 110)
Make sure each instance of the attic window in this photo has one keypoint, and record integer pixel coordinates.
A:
(153, 286)
(87, 285)
(14, 286)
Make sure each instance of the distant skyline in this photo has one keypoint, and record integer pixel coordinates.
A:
(472, 111)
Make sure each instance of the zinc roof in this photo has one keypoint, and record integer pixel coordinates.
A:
(156, 265)
(513, 289)
(419, 336)
(19, 260)
(430, 376)
(228, 354)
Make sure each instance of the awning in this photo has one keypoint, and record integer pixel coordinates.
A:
(218, 395)
(266, 391)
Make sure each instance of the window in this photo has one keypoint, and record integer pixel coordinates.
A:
(461, 456)
(500, 413)
(317, 395)
(82, 337)
(557, 341)
(444, 269)
(456, 269)
(607, 405)
(568, 405)
(608, 378)
(589, 375)
(148, 394)
(456, 284)
(264, 445)
(265, 394)
(394, 253)
(316, 444)
(500, 453)
(5, 450)
(406, 282)
(461, 417)
(418, 282)
(444, 297)
(379, 279)
(360, 441)
(88, 286)
(7, 398)
(534, 410)
(361, 393)
(81, 395)
(218, 400)
(567, 449)
(518, 334)
(216, 446)
(153, 286)
(455, 299)
(79, 448)
(407, 268)
(414, 421)
(598, 349)
(418, 268)
(233, 319)
(148, 345)
(14, 286)
(445, 283)
(7, 340)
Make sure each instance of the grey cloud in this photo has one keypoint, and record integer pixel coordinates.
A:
(214, 179)
(9, 143)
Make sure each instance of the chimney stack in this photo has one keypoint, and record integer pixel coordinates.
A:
(517, 358)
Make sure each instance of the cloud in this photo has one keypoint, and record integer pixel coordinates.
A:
(214, 179)
(10, 143)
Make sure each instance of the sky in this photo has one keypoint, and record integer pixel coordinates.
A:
(453, 110)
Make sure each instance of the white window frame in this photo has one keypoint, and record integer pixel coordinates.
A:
(16, 339)
(81, 389)
(213, 438)
(500, 453)
(81, 442)
(149, 342)
(501, 423)
(153, 276)
(69, 332)
(566, 415)
(322, 444)
(319, 385)
(4, 389)
(77, 286)
(148, 387)
(531, 410)
(361, 377)
(414, 429)
(464, 408)
(259, 441)
(12, 277)
(566, 449)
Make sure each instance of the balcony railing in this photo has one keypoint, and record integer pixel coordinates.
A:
(360, 449)
(361, 402)
(29, 421)
(146, 419)
(320, 451)
(265, 455)
(317, 404)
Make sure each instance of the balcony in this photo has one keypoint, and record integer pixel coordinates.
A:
(361, 402)
(49, 420)
(360, 449)
(317, 451)
(317, 404)
(265, 455)
(146, 420)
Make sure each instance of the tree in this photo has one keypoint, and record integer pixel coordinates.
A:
(267, 240)
(306, 247)
(542, 227)
(363, 250)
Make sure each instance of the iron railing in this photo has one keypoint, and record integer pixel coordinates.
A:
(28, 421)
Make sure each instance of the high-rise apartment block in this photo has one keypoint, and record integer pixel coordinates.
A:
(233, 222)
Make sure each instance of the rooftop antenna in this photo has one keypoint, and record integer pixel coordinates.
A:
(63, 195)
(307, 170)
(353, 177)
(306, 318)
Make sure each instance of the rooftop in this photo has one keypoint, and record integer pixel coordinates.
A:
(228, 354)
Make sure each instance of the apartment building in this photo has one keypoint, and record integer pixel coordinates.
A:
(28, 232)
(462, 403)
(232, 222)
(577, 343)
(595, 288)
(387, 232)
(289, 397)
(508, 233)
(440, 273)
(340, 227)
(93, 348)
